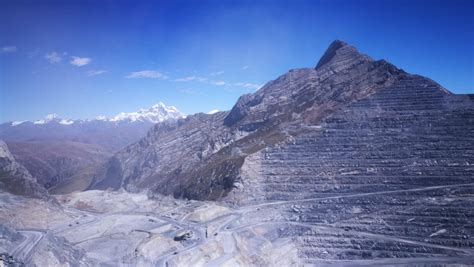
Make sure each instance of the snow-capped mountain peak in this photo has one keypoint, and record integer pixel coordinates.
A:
(214, 111)
(15, 123)
(47, 118)
(101, 118)
(156, 113)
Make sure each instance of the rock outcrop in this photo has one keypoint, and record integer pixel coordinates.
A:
(15, 179)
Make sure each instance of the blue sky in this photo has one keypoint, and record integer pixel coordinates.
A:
(81, 59)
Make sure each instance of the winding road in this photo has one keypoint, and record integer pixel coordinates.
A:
(31, 238)
(226, 226)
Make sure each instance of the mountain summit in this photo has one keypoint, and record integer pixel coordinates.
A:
(205, 156)
(341, 53)
(156, 113)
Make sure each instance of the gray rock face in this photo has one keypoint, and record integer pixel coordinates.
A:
(389, 176)
(407, 135)
(14, 178)
(157, 160)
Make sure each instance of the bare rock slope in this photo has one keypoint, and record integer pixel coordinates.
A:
(60, 166)
(202, 154)
(14, 178)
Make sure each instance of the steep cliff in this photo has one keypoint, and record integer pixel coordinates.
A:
(15, 179)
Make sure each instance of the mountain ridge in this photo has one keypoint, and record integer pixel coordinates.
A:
(212, 148)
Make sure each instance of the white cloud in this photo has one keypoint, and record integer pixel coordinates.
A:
(219, 83)
(53, 57)
(80, 61)
(186, 79)
(245, 67)
(191, 78)
(248, 85)
(147, 74)
(216, 73)
(189, 92)
(213, 111)
(95, 72)
(9, 49)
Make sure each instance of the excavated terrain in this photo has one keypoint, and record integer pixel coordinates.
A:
(352, 163)
(391, 176)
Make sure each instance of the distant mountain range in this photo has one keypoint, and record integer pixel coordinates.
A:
(111, 133)
(156, 113)
(63, 153)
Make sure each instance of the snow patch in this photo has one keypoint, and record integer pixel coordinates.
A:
(66, 122)
(157, 113)
(15, 123)
(48, 118)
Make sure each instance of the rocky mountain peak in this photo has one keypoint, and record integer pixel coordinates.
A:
(332, 84)
(341, 52)
(156, 113)
(4, 152)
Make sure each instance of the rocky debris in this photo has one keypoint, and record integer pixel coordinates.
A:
(9, 238)
(14, 178)
(8, 260)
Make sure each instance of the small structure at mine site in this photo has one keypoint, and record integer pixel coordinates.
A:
(183, 235)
